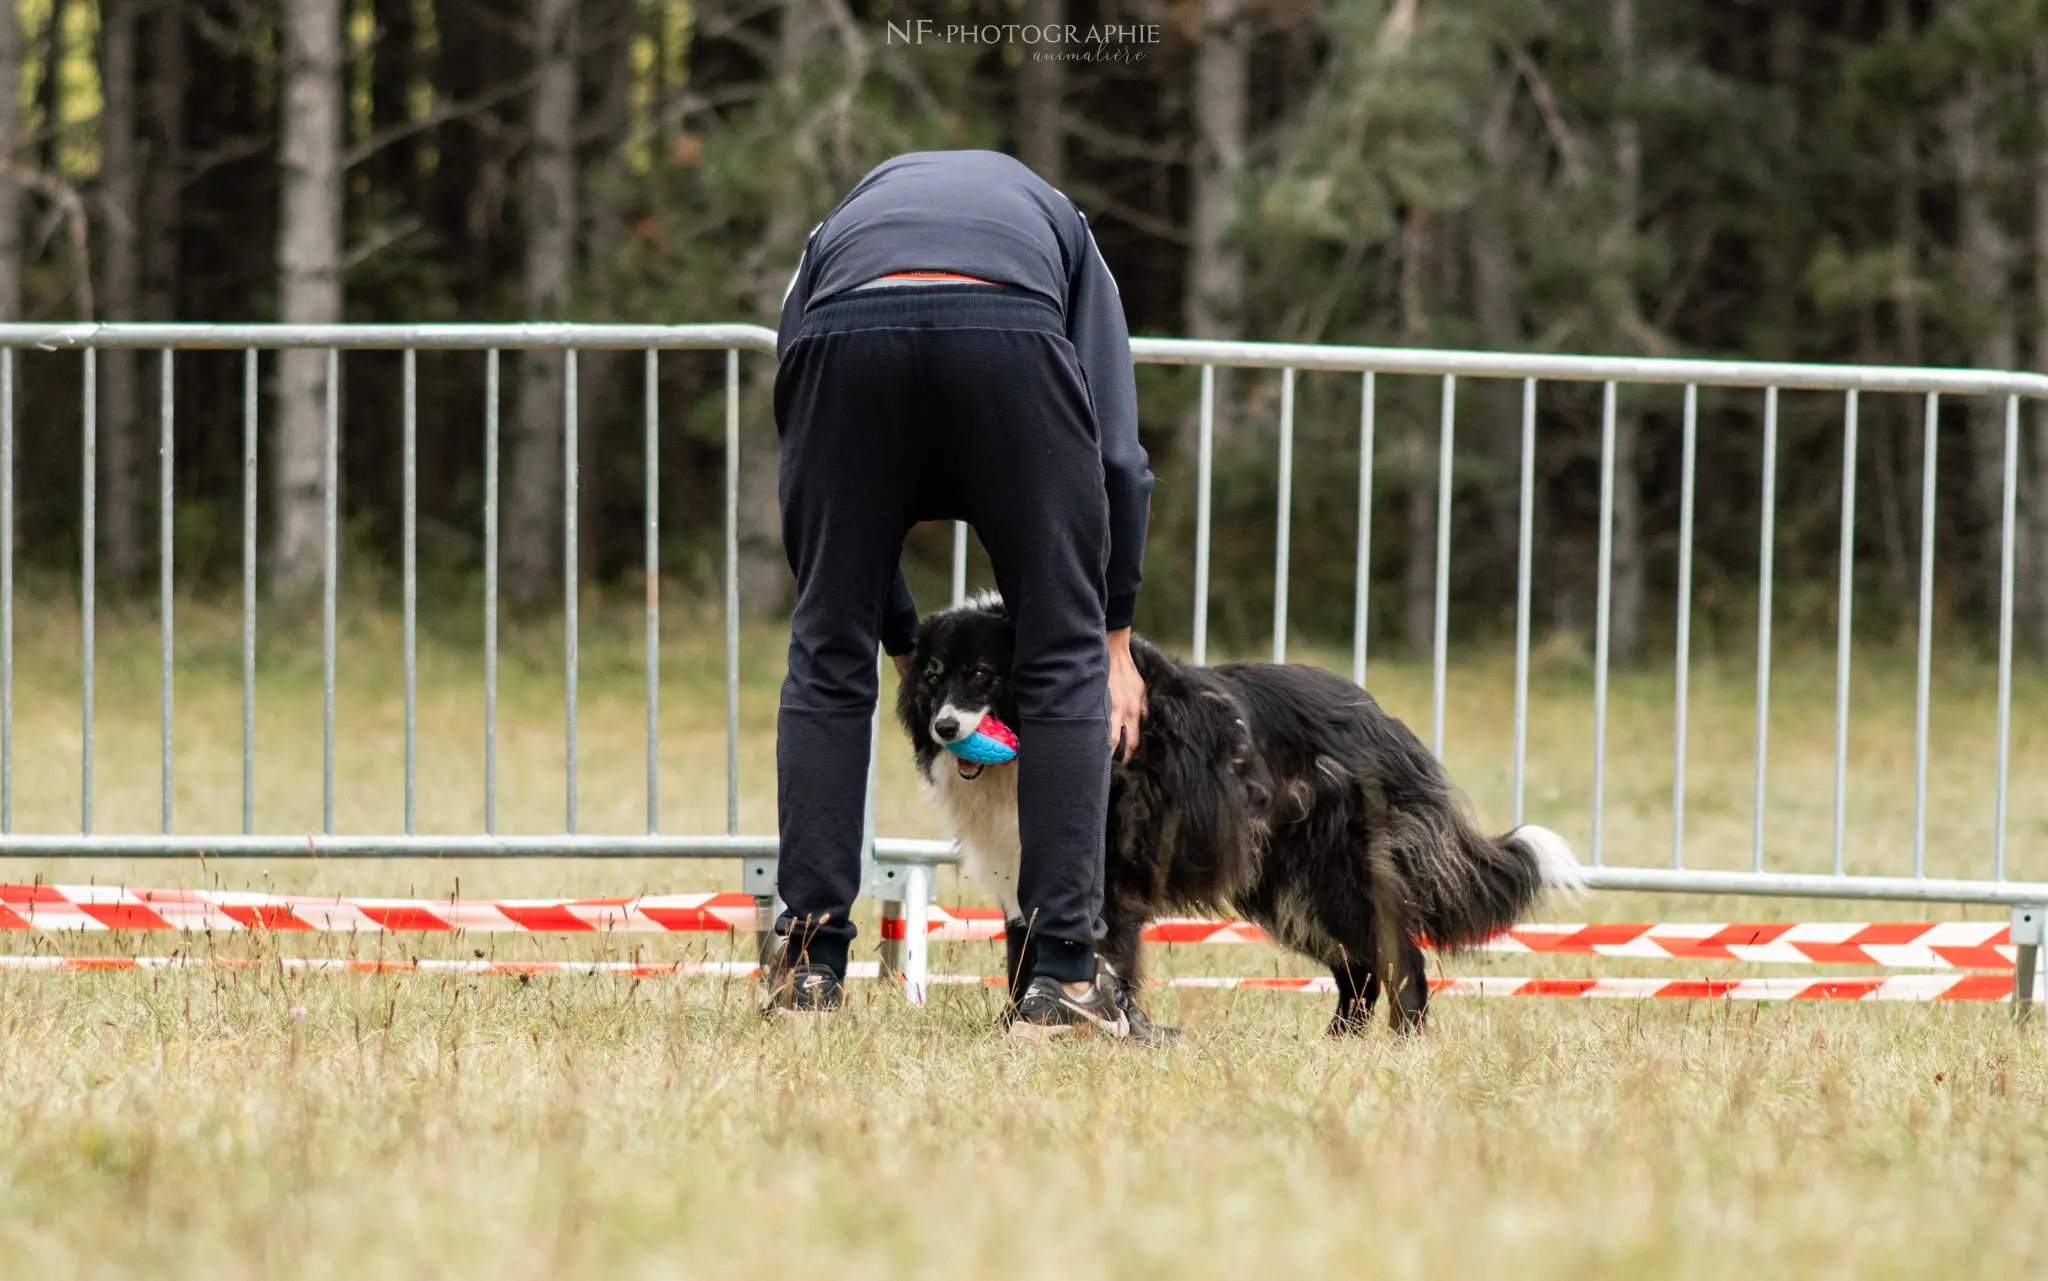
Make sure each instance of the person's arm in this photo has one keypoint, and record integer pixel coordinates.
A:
(899, 620)
(1096, 328)
(796, 297)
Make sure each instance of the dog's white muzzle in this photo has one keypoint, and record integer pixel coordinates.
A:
(951, 724)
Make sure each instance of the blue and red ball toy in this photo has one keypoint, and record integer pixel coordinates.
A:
(991, 743)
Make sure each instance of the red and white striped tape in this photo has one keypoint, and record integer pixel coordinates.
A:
(1902, 987)
(1930, 945)
(105, 907)
(1941, 945)
(1971, 945)
(1897, 987)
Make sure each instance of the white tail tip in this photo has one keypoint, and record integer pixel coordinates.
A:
(1553, 854)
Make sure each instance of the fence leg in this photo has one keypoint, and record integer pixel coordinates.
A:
(917, 939)
(758, 879)
(2027, 921)
(885, 886)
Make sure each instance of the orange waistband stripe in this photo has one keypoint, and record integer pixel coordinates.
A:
(953, 276)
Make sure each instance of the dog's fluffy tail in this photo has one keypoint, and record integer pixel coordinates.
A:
(1464, 886)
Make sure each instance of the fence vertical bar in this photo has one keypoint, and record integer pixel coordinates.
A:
(1440, 644)
(959, 563)
(1603, 610)
(1205, 460)
(165, 462)
(1683, 662)
(410, 552)
(1845, 596)
(249, 411)
(652, 504)
(1767, 538)
(1922, 668)
(89, 538)
(732, 591)
(1361, 605)
(6, 590)
(2005, 609)
(1284, 518)
(569, 588)
(491, 592)
(1525, 536)
(330, 521)
(328, 564)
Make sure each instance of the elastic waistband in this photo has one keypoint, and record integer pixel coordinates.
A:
(934, 306)
(912, 279)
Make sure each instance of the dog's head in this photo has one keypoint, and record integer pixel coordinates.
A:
(959, 672)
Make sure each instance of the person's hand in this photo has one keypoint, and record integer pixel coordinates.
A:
(902, 662)
(1126, 697)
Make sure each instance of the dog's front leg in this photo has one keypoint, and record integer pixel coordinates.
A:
(1358, 991)
(1123, 930)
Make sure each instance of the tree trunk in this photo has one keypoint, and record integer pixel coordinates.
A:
(1491, 253)
(472, 187)
(1042, 96)
(168, 78)
(1418, 586)
(50, 90)
(1983, 263)
(1897, 489)
(1214, 288)
(2034, 564)
(802, 36)
(609, 27)
(533, 550)
(394, 169)
(1625, 621)
(121, 443)
(10, 156)
(309, 285)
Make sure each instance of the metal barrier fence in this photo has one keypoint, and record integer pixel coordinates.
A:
(901, 868)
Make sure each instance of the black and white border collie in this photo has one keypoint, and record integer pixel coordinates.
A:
(1277, 791)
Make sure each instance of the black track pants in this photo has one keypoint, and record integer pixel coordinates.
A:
(951, 402)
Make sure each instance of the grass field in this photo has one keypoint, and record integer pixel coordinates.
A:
(257, 1123)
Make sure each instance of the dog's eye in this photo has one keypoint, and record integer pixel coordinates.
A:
(982, 672)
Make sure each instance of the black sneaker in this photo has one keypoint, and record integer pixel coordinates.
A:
(1143, 1030)
(804, 992)
(1047, 1013)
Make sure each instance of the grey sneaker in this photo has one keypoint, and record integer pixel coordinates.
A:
(1047, 1013)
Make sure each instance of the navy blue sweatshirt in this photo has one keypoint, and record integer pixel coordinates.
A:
(984, 214)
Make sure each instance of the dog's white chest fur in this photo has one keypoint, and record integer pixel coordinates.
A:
(982, 815)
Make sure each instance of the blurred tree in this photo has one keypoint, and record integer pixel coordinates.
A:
(533, 498)
(309, 283)
(121, 445)
(12, 156)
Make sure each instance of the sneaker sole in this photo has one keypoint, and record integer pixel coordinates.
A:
(1046, 1033)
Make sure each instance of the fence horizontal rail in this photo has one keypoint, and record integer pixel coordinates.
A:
(1152, 351)
(908, 851)
(196, 337)
(1553, 368)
